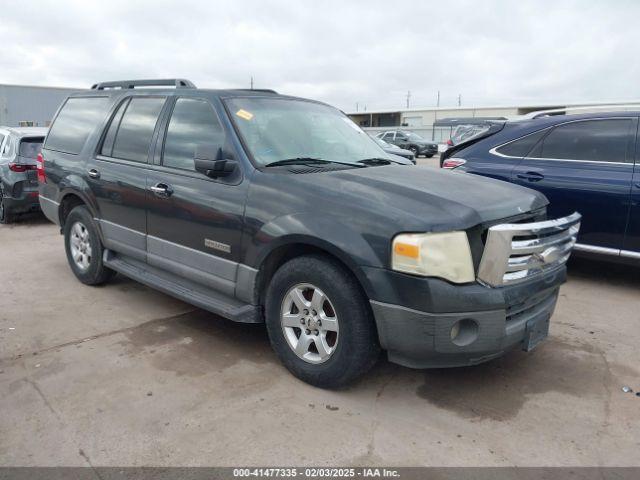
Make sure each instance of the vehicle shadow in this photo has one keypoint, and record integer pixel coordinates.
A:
(616, 274)
(28, 219)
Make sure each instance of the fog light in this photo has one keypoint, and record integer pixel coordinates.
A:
(464, 332)
(455, 330)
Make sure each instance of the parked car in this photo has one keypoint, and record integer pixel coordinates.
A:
(19, 148)
(262, 207)
(395, 150)
(410, 141)
(589, 162)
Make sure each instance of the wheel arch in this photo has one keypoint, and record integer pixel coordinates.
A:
(296, 246)
(72, 198)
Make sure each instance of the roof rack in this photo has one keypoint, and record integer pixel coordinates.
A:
(266, 90)
(584, 109)
(167, 82)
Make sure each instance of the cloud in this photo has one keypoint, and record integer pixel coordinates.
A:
(373, 52)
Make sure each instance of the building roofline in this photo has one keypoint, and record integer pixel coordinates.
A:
(541, 106)
(40, 87)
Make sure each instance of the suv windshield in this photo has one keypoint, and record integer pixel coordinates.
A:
(276, 129)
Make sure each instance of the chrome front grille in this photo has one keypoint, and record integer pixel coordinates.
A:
(514, 252)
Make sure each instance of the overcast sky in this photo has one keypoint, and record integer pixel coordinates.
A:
(342, 52)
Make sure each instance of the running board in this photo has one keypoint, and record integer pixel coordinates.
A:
(183, 289)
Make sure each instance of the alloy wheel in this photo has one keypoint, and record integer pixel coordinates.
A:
(80, 245)
(310, 323)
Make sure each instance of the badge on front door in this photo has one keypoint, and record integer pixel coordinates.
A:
(223, 247)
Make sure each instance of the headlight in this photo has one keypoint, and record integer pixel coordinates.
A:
(445, 255)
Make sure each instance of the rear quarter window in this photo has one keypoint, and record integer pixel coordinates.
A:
(522, 146)
(75, 122)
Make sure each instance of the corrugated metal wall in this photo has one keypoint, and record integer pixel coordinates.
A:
(20, 103)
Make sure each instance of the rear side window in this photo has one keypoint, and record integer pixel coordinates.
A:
(593, 140)
(75, 122)
(522, 146)
(193, 123)
(133, 135)
(30, 147)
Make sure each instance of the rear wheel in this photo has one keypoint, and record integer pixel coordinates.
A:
(5, 215)
(319, 322)
(84, 248)
(414, 149)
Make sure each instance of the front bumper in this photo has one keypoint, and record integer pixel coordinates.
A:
(416, 331)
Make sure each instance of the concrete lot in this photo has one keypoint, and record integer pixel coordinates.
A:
(123, 375)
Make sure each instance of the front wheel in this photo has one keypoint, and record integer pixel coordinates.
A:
(319, 322)
(84, 248)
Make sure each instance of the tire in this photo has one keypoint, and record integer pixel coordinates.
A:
(353, 343)
(6, 216)
(414, 149)
(429, 156)
(81, 237)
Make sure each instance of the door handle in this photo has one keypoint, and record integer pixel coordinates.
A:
(161, 190)
(93, 173)
(530, 176)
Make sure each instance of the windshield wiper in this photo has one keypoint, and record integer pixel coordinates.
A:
(307, 161)
(375, 161)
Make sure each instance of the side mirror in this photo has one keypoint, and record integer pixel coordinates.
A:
(211, 163)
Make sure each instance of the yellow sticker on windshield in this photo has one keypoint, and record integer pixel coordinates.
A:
(244, 114)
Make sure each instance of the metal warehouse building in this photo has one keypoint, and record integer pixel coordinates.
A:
(437, 123)
(23, 105)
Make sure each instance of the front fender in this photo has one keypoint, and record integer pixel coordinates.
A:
(321, 231)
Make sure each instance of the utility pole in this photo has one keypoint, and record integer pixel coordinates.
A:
(438, 102)
(459, 99)
(356, 106)
(408, 98)
(251, 82)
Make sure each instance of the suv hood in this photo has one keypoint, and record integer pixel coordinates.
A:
(425, 199)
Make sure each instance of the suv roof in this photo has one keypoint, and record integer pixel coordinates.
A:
(553, 119)
(26, 131)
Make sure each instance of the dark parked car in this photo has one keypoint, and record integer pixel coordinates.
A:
(410, 141)
(263, 207)
(19, 148)
(586, 162)
(395, 150)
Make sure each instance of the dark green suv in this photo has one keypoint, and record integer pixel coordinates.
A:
(262, 207)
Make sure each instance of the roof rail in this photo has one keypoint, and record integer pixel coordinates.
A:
(167, 82)
(266, 90)
(577, 110)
